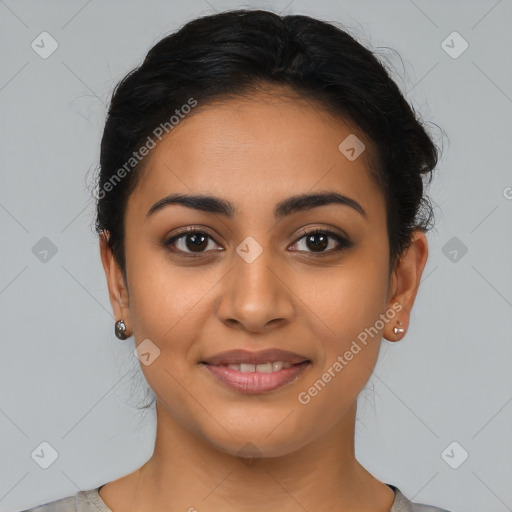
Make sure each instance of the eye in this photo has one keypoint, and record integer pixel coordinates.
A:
(318, 240)
(189, 241)
(193, 241)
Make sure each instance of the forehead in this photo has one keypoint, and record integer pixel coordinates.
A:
(255, 152)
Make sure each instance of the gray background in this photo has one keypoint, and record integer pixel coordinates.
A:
(66, 380)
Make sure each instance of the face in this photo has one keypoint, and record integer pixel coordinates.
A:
(253, 281)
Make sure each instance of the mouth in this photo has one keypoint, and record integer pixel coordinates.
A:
(252, 372)
(269, 367)
(262, 357)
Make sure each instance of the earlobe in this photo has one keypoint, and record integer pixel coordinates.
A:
(117, 289)
(405, 283)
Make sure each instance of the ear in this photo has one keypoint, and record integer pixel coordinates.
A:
(405, 283)
(117, 287)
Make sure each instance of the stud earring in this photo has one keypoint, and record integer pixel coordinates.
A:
(120, 330)
(398, 330)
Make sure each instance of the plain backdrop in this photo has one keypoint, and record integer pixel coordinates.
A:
(436, 416)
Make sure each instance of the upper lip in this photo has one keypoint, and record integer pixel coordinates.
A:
(248, 357)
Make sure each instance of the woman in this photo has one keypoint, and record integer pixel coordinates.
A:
(262, 220)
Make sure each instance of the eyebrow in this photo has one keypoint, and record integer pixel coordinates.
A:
(211, 204)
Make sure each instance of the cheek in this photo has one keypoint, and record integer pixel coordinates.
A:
(350, 335)
(345, 313)
(346, 299)
(166, 300)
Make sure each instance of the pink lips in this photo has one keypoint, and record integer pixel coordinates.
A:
(248, 357)
(255, 382)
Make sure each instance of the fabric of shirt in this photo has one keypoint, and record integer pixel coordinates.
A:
(90, 501)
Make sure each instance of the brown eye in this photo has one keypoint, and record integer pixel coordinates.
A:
(318, 240)
(196, 241)
(190, 241)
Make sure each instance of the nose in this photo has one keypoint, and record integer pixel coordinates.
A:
(254, 295)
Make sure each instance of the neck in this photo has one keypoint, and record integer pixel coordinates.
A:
(188, 473)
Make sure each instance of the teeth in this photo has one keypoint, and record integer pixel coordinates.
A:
(277, 366)
(261, 368)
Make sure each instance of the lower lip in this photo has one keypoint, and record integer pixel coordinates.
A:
(256, 382)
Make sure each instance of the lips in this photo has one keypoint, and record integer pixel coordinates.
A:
(255, 382)
(251, 372)
(247, 357)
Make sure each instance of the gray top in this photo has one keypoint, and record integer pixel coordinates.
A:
(90, 501)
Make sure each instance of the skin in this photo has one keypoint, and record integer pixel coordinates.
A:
(256, 152)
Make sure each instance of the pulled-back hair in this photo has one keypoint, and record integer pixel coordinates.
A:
(232, 54)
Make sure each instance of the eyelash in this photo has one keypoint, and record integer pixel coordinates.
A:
(343, 242)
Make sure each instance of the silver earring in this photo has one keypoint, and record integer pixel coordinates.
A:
(120, 330)
(398, 330)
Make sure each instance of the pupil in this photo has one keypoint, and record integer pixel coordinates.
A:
(322, 244)
(198, 241)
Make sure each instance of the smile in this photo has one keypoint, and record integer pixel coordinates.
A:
(261, 368)
(257, 378)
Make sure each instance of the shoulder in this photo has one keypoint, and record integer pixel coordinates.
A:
(82, 501)
(403, 504)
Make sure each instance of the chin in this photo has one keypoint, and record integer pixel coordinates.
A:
(264, 438)
(251, 449)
